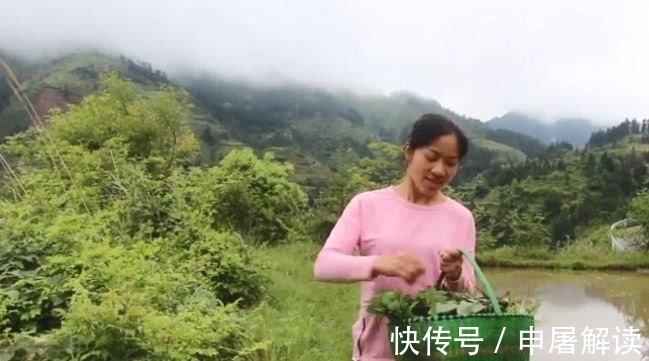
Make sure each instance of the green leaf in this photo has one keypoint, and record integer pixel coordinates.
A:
(468, 308)
(446, 307)
(12, 294)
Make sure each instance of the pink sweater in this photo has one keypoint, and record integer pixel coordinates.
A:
(381, 222)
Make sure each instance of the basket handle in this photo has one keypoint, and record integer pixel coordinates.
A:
(488, 290)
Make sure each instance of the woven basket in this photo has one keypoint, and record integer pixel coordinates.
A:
(491, 346)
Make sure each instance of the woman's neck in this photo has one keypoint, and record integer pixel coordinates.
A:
(408, 191)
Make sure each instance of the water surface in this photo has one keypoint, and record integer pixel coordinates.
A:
(587, 302)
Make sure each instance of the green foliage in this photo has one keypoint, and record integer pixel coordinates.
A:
(113, 247)
(639, 212)
(152, 127)
(129, 303)
(431, 302)
(385, 165)
(254, 196)
(549, 201)
(350, 177)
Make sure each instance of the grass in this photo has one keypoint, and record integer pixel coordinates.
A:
(306, 320)
(590, 258)
(591, 252)
(309, 320)
(629, 232)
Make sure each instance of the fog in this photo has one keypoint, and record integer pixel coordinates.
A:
(478, 58)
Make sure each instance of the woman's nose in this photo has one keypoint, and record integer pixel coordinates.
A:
(437, 169)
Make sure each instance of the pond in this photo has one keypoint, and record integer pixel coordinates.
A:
(583, 301)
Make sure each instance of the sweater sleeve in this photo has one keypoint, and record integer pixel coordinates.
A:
(335, 261)
(467, 281)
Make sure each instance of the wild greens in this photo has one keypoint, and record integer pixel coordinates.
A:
(431, 302)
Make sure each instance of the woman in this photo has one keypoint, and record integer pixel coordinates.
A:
(406, 234)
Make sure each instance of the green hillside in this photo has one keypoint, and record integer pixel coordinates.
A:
(564, 194)
(298, 123)
(315, 130)
(310, 127)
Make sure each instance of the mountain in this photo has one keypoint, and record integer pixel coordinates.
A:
(523, 192)
(299, 123)
(575, 131)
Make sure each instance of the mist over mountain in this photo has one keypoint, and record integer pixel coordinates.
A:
(438, 50)
(575, 131)
(301, 123)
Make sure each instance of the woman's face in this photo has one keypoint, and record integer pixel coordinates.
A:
(433, 166)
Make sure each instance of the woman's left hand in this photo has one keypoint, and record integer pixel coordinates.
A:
(451, 263)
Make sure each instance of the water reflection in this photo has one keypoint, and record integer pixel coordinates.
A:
(585, 302)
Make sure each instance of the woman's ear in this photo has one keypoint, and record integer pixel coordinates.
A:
(407, 153)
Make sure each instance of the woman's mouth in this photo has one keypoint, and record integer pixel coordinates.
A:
(432, 183)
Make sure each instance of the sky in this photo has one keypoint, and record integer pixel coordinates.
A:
(586, 58)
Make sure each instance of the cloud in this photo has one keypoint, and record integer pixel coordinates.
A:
(479, 58)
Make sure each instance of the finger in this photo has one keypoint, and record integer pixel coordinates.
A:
(416, 263)
(418, 266)
(412, 273)
(451, 255)
(410, 270)
(451, 252)
(410, 258)
(413, 277)
(450, 266)
(410, 278)
(404, 273)
(453, 268)
(413, 262)
(417, 270)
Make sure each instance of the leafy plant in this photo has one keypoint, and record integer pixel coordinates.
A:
(431, 302)
(113, 248)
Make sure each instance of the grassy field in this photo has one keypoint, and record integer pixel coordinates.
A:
(306, 320)
(310, 320)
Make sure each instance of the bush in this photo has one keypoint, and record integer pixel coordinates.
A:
(111, 249)
(129, 303)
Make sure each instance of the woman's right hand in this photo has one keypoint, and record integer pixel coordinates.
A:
(401, 264)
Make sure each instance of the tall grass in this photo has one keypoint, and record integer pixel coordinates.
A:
(305, 319)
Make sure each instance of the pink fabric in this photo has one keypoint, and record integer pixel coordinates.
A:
(381, 222)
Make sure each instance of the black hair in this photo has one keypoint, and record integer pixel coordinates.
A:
(432, 126)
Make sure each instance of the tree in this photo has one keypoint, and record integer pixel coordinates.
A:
(639, 211)
(254, 196)
(385, 166)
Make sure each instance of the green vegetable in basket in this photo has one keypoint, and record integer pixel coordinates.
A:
(431, 302)
(425, 303)
(499, 321)
(392, 304)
